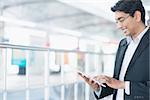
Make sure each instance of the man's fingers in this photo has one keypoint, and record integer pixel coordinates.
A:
(105, 79)
(92, 84)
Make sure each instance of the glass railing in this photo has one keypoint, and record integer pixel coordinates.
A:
(38, 73)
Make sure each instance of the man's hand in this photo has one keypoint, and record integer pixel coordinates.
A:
(95, 86)
(111, 82)
(92, 83)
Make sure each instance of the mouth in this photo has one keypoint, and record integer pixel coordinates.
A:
(124, 31)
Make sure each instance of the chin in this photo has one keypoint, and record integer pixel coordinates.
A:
(127, 34)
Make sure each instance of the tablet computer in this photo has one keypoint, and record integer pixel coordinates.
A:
(83, 75)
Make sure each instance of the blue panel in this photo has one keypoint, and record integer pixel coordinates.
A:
(19, 62)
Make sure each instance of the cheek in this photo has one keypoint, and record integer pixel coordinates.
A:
(130, 26)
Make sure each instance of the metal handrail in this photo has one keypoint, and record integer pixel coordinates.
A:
(4, 45)
(36, 48)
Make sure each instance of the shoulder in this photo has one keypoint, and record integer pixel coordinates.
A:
(148, 31)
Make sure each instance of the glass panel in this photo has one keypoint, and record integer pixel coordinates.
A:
(55, 68)
(36, 94)
(81, 61)
(16, 95)
(109, 64)
(69, 92)
(1, 95)
(55, 93)
(16, 69)
(36, 68)
(1, 69)
(81, 91)
(91, 64)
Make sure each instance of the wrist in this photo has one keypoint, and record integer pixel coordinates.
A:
(122, 85)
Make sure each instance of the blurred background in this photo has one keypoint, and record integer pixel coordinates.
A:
(44, 42)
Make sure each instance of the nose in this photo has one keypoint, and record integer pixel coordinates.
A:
(119, 25)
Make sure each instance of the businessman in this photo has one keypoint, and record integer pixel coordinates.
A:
(131, 79)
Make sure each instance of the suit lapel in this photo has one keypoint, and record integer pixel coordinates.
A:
(142, 45)
(119, 58)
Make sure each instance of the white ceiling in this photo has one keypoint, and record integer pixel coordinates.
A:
(100, 7)
(84, 17)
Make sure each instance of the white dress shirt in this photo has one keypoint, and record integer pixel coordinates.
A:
(133, 43)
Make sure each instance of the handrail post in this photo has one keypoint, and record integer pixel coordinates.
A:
(5, 74)
(27, 75)
(46, 75)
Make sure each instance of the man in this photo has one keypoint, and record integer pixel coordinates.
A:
(131, 74)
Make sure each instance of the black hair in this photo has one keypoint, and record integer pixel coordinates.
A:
(130, 6)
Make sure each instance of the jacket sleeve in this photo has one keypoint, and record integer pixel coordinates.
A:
(106, 91)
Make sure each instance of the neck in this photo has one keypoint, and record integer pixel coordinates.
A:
(139, 28)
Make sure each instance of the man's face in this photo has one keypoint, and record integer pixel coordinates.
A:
(125, 22)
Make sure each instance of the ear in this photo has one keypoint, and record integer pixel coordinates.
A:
(137, 16)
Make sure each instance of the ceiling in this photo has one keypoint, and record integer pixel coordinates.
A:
(86, 17)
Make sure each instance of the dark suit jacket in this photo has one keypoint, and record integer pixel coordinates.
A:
(137, 72)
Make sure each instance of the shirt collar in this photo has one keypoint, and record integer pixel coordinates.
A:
(138, 38)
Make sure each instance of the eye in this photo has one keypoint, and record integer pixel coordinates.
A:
(121, 20)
